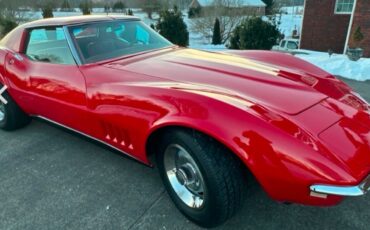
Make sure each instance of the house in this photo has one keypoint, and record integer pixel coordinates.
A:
(250, 7)
(331, 24)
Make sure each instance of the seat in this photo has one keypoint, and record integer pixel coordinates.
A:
(105, 44)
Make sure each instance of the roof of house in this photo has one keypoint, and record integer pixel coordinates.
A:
(232, 3)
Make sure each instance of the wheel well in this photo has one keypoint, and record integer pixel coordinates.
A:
(153, 140)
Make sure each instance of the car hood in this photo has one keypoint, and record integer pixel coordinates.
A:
(281, 88)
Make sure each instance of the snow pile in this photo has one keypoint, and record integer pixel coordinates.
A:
(208, 47)
(339, 64)
(239, 3)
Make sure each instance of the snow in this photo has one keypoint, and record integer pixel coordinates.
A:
(209, 47)
(289, 22)
(235, 3)
(339, 64)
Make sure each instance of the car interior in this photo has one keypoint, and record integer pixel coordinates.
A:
(95, 42)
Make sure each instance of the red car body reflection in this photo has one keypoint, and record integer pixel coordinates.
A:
(292, 124)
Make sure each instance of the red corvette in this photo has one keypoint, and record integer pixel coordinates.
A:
(200, 117)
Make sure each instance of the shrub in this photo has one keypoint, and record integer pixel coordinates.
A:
(358, 36)
(130, 12)
(6, 25)
(216, 38)
(118, 6)
(86, 7)
(47, 11)
(172, 26)
(66, 7)
(254, 33)
(107, 8)
(151, 6)
(194, 12)
(270, 6)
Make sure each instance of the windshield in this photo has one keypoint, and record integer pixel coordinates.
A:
(106, 40)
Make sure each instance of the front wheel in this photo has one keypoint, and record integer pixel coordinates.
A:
(202, 177)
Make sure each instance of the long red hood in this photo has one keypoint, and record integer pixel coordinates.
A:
(280, 87)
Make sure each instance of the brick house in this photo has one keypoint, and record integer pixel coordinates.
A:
(247, 7)
(330, 25)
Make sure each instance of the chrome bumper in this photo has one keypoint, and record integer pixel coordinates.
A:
(356, 190)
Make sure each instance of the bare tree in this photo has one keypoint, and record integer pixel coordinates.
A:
(229, 12)
(13, 10)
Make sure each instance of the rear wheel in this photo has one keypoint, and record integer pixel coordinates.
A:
(11, 116)
(202, 177)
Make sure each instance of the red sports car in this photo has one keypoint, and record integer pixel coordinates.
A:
(202, 118)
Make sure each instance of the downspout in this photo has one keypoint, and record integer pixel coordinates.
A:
(350, 28)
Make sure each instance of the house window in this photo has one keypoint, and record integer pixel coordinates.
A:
(344, 6)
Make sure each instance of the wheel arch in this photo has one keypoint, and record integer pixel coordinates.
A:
(156, 133)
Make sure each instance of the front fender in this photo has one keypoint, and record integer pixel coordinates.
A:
(281, 162)
(270, 146)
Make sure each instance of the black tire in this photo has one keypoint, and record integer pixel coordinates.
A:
(14, 118)
(221, 172)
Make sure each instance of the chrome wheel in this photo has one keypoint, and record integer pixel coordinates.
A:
(184, 176)
(2, 111)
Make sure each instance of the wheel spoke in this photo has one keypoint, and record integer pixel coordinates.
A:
(184, 176)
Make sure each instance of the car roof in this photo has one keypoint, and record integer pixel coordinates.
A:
(63, 21)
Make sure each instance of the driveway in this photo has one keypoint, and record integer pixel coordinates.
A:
(52, 179)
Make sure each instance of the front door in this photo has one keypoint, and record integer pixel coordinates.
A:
(46, 79)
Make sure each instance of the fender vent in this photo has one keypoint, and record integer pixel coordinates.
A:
(116, 135)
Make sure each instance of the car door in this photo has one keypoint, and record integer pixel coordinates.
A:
(46, 79)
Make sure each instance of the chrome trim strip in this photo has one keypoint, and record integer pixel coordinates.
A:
(71, 46)
(356, 190)
(88, 136)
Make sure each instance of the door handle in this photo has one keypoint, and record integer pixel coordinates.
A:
(16, 56)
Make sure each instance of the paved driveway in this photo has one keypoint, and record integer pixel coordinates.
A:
(50, 179)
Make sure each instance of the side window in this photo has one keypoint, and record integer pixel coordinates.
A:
(344, 6)
(49, 45)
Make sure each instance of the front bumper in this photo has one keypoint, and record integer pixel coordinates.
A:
(355, 190)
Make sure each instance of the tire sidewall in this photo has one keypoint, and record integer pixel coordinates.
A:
(209, 209)
(14, 118)
(4, 121)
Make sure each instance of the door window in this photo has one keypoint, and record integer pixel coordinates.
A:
(49, 45)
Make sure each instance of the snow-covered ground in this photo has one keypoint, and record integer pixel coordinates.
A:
(339, 64)
(290, 22)
(290, 19)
